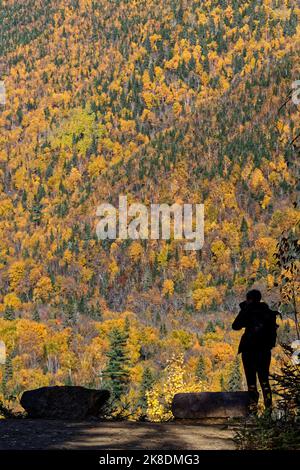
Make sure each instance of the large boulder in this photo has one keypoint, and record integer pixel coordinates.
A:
(210, 405)
(64, 402)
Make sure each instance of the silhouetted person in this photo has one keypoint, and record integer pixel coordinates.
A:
(256, 344)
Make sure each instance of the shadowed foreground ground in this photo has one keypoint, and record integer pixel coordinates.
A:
(41, 434)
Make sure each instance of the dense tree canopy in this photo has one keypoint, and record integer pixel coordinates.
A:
(173, 101)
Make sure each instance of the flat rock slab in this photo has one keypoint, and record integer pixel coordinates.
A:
(20, 434)
(64, 402)
(205, 405)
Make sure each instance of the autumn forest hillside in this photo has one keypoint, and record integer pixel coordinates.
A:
(162, 101)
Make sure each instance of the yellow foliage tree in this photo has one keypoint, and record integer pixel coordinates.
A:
(43, 289)
(168, 287)
(159, 399)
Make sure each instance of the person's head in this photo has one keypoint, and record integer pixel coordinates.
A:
(253, 295)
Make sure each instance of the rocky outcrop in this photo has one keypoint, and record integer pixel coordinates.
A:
(64, 402)
(210, 405)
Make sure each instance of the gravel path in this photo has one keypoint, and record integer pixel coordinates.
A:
(104, 435)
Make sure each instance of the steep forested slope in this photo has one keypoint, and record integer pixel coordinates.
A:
(173, 101)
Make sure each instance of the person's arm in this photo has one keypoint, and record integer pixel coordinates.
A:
(241, 320)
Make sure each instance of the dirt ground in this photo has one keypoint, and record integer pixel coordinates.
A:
(104, 435)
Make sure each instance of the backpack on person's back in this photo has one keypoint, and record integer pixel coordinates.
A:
(261, 331)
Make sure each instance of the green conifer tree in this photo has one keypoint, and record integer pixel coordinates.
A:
(116, 374)
(146, 384)
(200, 369)
(245, 235)
(9, 313)
(36, 211)
(210, 327)
(98, 312)
(7, 375)
(235, 378)
(36, 315)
